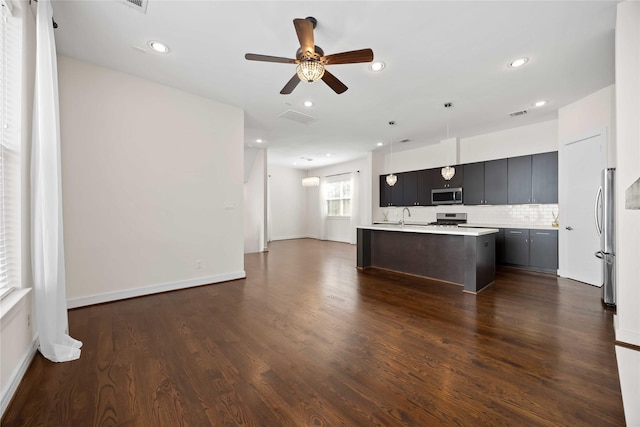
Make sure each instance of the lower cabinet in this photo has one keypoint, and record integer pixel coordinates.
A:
(543, 249)
(537, 249)
(516, 246)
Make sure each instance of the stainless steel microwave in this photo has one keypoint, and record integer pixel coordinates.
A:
(446, 196)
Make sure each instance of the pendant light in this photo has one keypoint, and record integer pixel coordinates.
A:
(448, 172)
(391, 178)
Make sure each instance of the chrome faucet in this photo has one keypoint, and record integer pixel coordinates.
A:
(408, 211)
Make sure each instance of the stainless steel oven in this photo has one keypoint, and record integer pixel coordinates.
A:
(446, 196)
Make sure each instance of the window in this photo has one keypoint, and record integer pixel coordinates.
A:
(10, 58)
(339, 198)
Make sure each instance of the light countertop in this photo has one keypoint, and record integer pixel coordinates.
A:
(430, 229)
(531, 227)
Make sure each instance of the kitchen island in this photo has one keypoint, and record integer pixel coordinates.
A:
(460, 255)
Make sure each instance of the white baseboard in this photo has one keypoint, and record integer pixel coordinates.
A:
(16, 377)
(624, 335)
(292, 237)
(153, 289)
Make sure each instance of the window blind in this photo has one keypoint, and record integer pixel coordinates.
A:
(10, 105)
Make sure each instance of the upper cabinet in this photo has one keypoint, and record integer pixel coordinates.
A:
(533, 179)
(495, 182)
(416, 188)
(437, 181)
(519, 179)
(397, 192)
(392, 196)
(485, 183)
(544, 178)
(473, 186)
(514, 181)
(409, 188)
(385, 192)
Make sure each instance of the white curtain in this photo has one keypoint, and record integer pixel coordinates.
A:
(355, 206)
(46, 187)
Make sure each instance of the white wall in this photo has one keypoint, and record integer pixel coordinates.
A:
(517, 141)
(627, 319)
(255, 201)
(591, 113)
(628, 170)
(287, 203)
(152, 186)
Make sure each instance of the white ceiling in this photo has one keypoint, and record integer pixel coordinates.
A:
(435, 52)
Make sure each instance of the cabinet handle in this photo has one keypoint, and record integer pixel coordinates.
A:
(515, 232)
(539, 233)
(526, 240)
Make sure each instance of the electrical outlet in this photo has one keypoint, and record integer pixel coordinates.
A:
(198, 264)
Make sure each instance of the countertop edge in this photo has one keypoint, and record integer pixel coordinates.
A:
(460, 231)
(530, 227)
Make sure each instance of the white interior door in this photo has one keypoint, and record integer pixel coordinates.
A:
(582, 161)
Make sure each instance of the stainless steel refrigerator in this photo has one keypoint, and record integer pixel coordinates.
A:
(605, 226)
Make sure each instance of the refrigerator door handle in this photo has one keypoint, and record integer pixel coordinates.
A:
(595, 212)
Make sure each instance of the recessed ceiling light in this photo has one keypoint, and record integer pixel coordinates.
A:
(328, 154)
(379, 144)
(377, 66)
(540, 103)
(294, 163)
(259, 141)
(158, 46)
(518, 62)
(308, 104)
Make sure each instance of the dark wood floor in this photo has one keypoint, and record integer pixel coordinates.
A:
(307, 339)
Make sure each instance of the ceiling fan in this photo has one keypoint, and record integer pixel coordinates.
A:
(312, 61)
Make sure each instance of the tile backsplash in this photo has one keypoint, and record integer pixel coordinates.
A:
(515, 215)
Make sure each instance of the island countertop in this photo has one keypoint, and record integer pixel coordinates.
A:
(431, 229)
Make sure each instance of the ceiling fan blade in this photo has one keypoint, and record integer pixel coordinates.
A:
(291, 85)
(333, 82)
(352, 57)
(304, 30)
(267, 58)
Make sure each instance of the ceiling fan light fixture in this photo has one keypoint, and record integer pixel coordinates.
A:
(310, 70)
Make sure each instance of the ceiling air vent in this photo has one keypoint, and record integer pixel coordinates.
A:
(139, 5)
(298, 117)
(518, 113)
